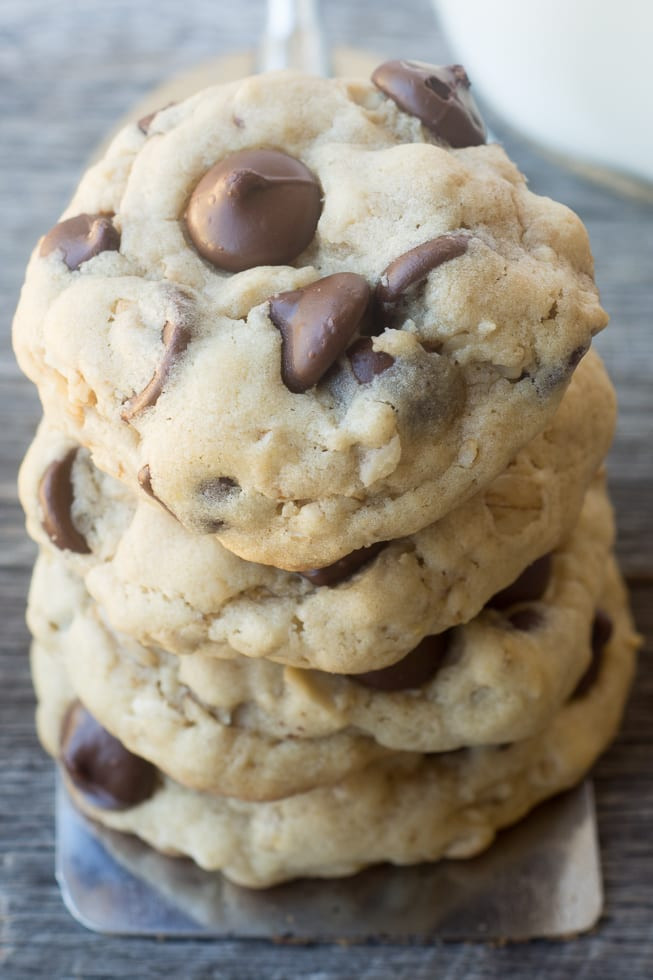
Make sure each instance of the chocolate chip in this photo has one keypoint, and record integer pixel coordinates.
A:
(218, 488)
(365, 362)
(601, 632)
(316, 324)
(417, 667)
(255, 207)
(56, 501)
(530, 585)
(438, 95)
(175, 338)
(80, 238)
(144, 478)
(576, 356)
(343, 568)
(415, 265)
(100, 766)
(526, 619)
(146, 121)
(560, 374)
(217, 493)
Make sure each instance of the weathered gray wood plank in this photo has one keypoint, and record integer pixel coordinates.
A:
(67, 71)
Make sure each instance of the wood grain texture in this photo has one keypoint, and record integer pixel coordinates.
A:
(67, 71)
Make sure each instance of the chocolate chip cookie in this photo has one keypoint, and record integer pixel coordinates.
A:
(403, 809)
(186, 593)
(255, 730)
(308, 315)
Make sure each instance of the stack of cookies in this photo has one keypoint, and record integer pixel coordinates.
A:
(325, 573)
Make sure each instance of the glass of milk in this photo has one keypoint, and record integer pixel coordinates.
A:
(576, 76)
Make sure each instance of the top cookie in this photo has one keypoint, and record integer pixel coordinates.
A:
(301, 318)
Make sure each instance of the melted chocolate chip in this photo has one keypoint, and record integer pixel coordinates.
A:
(343, 568)
(601, 633)
(316, 324)
(144, 478)
(438, 95)
(416, 668)
(576, 356)
(175, 339)
(216, 493)
(100, 766)
(415, 265)
(365, 362)
(530, 586)
(80, 238)
(255, 207)
(219, 487)
(56, 501)
(526, 619)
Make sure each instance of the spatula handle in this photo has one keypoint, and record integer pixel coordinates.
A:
(294, 38)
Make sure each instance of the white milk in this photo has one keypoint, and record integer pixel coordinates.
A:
(574, 75)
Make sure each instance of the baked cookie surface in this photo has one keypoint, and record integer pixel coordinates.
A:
(142, 698)
(257, 730)
(420, 808)
(303, 404)
(186, 593)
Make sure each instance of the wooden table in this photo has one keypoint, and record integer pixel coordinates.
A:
(65, 79)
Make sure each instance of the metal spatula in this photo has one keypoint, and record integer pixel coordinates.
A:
(541, 878)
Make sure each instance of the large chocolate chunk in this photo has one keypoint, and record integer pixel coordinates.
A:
(80, 238)
(530, 586)
(601, 634)
(56, 501)
(316, 324)
(415, 265)
(100, 766)
(367, 363)
(416, 668)
(344, 567)
(175, 339)
(255, 207)
(438, 95)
